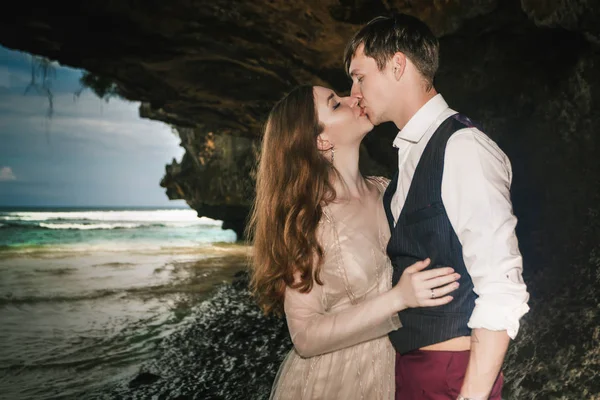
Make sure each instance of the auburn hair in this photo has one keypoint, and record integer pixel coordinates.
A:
(292, 185)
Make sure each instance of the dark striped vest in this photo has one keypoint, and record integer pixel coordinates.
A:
(424, 230)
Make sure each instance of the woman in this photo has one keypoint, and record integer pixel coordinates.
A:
(320, 234)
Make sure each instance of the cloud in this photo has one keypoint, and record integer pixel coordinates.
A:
(6, 174)
(4, 77)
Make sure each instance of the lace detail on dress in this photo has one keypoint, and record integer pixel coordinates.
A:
(381, 182)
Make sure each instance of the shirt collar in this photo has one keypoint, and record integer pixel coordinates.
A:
(416, 127)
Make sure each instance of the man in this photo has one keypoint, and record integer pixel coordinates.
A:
(450, 201)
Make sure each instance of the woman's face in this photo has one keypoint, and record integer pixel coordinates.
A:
(344, 122)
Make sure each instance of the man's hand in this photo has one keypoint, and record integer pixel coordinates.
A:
(461, 397)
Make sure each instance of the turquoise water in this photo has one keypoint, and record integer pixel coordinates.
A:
(86, 296)
(149, 228)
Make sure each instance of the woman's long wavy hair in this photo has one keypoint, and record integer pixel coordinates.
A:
(292, 185)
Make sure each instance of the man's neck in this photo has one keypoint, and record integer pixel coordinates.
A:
(411, 105)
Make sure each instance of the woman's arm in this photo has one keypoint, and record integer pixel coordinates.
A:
(316, 331)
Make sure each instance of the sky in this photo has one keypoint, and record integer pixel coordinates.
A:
(89, 153)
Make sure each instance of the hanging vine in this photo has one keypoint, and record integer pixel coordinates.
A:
(42, 74)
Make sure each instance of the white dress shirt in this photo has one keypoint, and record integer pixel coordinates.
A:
(476, 194)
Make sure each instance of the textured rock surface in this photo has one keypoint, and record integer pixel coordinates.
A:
(576, 15)
(529, 71)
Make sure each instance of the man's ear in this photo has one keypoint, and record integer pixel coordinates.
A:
(398, 65)
(323, 144)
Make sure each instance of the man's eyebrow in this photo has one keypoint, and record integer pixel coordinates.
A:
(329, 98)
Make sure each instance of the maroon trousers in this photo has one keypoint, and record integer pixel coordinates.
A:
(434, 375)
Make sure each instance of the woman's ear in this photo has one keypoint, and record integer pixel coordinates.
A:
(323, 144)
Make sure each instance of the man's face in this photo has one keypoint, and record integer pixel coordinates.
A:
(372, 87)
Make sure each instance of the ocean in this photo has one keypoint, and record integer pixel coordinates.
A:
(89, 296)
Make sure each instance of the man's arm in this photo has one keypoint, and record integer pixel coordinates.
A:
(487, 355)
(476, 195)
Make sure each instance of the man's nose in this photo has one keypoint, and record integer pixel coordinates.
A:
(355, 92)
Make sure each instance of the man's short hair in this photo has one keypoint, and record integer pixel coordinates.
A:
(384, 36)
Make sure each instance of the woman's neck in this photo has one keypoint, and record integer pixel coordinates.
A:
(349, 184)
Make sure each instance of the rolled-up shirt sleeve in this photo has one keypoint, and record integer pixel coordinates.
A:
(476, 194)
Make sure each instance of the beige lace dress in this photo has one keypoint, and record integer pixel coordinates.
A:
(339, 330)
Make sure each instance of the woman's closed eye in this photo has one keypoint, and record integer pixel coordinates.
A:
(335, 106)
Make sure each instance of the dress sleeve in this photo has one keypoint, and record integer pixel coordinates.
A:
(381, 182)
(315, 330)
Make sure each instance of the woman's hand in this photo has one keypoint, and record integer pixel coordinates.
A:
(418, 288)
